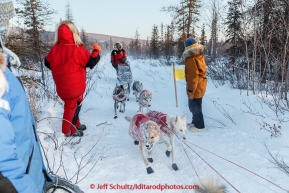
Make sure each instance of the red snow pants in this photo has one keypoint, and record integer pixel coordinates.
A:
(71, 115)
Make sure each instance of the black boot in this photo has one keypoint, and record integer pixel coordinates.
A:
(81, 127)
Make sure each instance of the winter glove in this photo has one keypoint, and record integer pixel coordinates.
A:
(113, 64)
(94, 53)
(95, 46)
(123, 60)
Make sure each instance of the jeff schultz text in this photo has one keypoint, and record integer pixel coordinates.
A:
(145, 187)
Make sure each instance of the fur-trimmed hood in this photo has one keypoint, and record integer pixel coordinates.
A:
(67, 33)
(195, 71)
(3, 82)
(194, 51)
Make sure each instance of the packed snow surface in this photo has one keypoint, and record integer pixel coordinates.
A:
(236, 130)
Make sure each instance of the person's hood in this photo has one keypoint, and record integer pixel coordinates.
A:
(198, 50)
(67, 33)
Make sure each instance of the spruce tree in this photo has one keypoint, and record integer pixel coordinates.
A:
(180, 47)
(136, 44)
(154, 43)
(35, 14)
(185, 15)
(214, 33)
(162, 40)
(146, 48)
(203, 36)
(68, 12)
(84, 38)
(168, 50)
(233, 31)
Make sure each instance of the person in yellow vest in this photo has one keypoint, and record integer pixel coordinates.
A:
(195, 74)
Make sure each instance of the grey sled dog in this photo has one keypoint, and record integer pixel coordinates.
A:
(137, 88)
(169, 125)
(119, 96)
(145, 100)
(147, 133)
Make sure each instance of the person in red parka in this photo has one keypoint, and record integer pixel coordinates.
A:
(118, 56)
(68, 60)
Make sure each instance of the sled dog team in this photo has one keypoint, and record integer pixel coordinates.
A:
(147, 129)
(121, 94)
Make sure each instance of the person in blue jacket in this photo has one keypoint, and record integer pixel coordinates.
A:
(21, 164)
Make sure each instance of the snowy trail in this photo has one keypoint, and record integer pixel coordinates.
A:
(239, 140)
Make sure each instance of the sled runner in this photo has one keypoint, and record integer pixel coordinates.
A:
(60, 185)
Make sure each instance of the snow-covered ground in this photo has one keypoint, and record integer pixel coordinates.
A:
(231, 132)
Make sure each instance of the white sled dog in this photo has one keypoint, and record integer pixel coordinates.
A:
(119, 97)
(137, 88)
(145, 133)
(209, 185)
(169, 124)
(145, 100)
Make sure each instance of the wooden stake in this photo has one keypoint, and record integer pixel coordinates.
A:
(176, 95)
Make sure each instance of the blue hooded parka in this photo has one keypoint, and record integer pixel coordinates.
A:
(20, 155)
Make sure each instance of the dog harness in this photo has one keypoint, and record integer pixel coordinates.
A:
(160, 119)
(135, 129)
(141, 97)
(121, 96)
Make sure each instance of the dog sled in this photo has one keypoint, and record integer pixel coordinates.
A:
(124, 75)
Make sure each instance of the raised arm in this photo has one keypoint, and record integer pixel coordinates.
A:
(94, 56)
